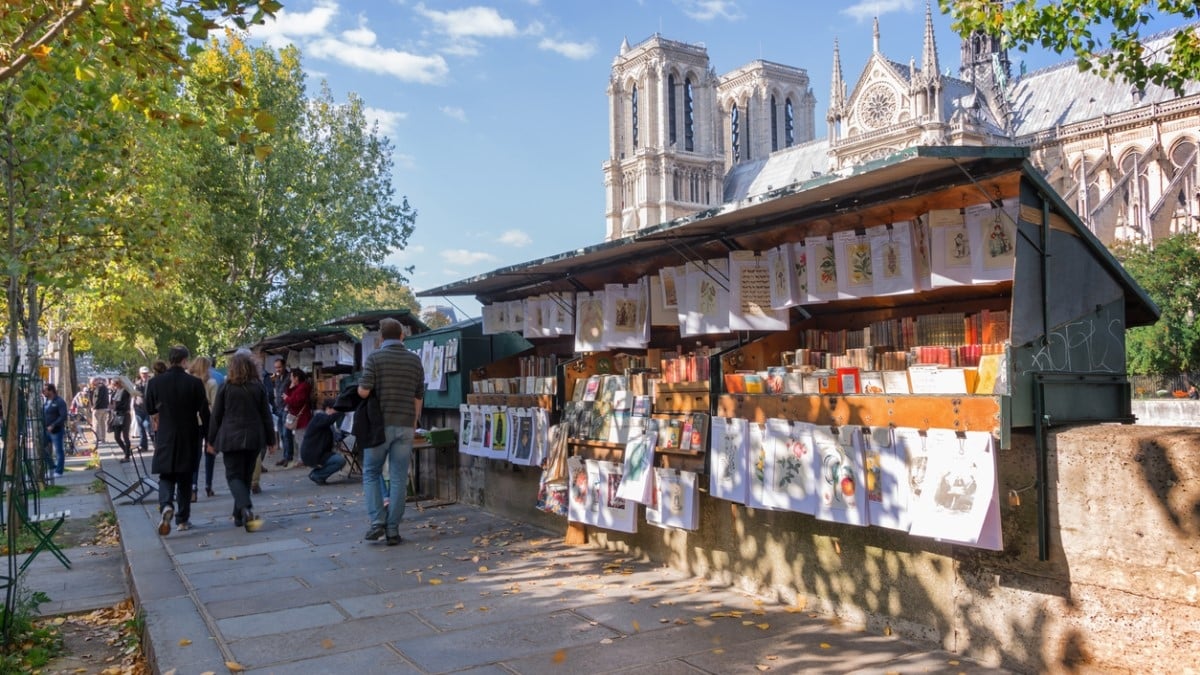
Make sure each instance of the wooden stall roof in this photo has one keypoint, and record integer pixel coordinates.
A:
(897, 187)
(371, 319)
(302, 339)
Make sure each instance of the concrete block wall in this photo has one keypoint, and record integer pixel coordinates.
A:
(1119, 593)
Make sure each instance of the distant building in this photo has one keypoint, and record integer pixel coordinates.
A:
(444, 311)
(683, 139)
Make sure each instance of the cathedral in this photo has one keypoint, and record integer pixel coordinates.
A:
(683, 139)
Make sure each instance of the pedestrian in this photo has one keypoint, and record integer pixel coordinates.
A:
(178, 408)
(280, 379)
(100, 409)
(119, 420)
(316, 451)
(1192, 393)
(201, 369)
(296, 400)
(54, 417)
(139, 408)
(394, 377)
(241, 427)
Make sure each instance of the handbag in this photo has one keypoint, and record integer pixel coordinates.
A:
(289, 422)
(116, 422)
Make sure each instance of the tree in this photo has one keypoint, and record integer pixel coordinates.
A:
(297, 227)
(1078, 26)
(1170, 273)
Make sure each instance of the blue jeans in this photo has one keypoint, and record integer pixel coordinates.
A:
(396, 451)
(60, 456)
(334, 464)
(143, 421)
(285, 436)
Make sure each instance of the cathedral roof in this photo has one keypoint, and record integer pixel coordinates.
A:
(1060, 95)
(796, 164)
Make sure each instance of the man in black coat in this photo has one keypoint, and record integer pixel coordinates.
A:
(178, 409)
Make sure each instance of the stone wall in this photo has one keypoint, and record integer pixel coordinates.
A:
(1120, 592)
(1167, 412)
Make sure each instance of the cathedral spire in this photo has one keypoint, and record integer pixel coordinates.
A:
(929, 58)
(876, 35)
(837, 93)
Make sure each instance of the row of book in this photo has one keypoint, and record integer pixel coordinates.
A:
(529, 384)
(538, 366)
(901, 334)
(884, 358)
(677, 366)
(979, 378)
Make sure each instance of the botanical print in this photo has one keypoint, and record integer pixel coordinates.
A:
(827, 268)
(838, 462)
(637, 481)
(729, 443)
(589, 322)
(859, 255)
(887, 478)
(891, 260)
(675, 503)
(670, 293)
(800, 257)
(708, 296)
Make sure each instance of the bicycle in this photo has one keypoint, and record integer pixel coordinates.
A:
(80, 435)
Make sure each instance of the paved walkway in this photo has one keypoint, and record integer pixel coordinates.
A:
(466, 592)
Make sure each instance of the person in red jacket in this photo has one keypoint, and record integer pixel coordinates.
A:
(297, 399)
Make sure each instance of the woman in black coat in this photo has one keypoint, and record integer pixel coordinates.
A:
(118, 420)
(241, 426)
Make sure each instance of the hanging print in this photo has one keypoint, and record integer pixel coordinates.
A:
(676, 500)
(837, 460)
(624, 316)
(959, 489)
(787, 459)
(887, 479)
(583, 479)
(558, 310)
(464, 428)
(821, 265)
(705, 306)
(589, 322)
(521, 420)
(728, 461)
(855, 270)
(781, 267)
(950, 248)
(993, 231)
(750, 294)
(638, 479)
(891, 258)
(616, 513)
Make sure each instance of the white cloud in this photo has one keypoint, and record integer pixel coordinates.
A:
(707, 10)
(406, 255)
(404, 161)
(387, 119)
(470, 22)
(869, 9)
(516, 238)
(454, 112)
(578, 51)
(461, 256)
(287, 26)
(401, 65)
(361, 36)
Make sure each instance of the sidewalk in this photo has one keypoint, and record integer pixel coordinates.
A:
(465, 592)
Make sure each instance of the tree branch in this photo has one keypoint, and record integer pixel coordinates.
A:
(21, 61)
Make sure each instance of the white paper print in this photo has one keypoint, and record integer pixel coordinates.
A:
(837, 461)
(676, 503)
(949, 248)
(800, 260)
(660, 314)
(558, 313)
(669, 287)
(625, 316)
(728, 450)
(750, 294)
(638, 470)
(922, 266)
(516, 315)
(887, 479)
(821, 265)
(464, 428)
(785, 287)
(535, 319)
(705, 307)
(855, 270)
(589, 322)
(958, 489)
(522, 437)
(785, 467)
(756, 450)
(615, 512)
(994, 236)
(891, 258)
(493, 316)
(583, 491)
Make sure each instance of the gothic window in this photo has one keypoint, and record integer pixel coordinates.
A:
(689, 130)
(1183, 158)
(746, 129)
(774, 125)
(734, 138)
(789, 124)
(671, 109)
(1137, 189)
(633, 105)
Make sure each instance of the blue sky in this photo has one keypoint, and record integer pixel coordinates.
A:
(497, 111)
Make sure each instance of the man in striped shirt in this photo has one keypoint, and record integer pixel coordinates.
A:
(395, 375)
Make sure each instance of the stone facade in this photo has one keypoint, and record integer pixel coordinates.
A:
(689, 140)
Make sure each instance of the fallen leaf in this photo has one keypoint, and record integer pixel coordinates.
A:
(718, 650)
(483, 568)
(762, 666)
(435, 582)
(606, 641)
(560, 655)
(771, 657)
(952, 662)
(326, 644)
(826, 645)
(887, 630)
(636, 627)
(483, 608)
(234, 667)
(184, 642)
(747, 623)
(762, 626)
(460, 578)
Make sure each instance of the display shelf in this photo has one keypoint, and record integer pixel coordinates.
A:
(513, 400)
(960, 413)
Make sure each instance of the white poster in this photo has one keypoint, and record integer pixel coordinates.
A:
(757, 456)
(616, 513)
(922, 266)
(541, 436)
(892, 258)
(669, 286)
(624, 316)
(492, 316)
(677, 500)
(855, 270)
(787, 478)
(521, 425)
(781, 267)
(638, 478)
(821, 266)
(516, 315)
(949, 248)
(837, 462)
(464, 428)
(558, 313)
(728, 450)
(887, 479)
(437, 368)
(583, 495)
(750, 294)
(660, 314)
(535, 319)
(993, 233)
(705, 310)
(958, 489)
(589, 321)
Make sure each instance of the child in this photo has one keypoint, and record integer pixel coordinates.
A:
(316, 450)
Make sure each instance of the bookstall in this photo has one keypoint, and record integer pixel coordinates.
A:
(849, 357)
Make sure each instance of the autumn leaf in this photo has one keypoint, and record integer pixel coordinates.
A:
(234, 667)
(326, 644)
(184, 642)
(762, 626)
(560, 655)
(483, 568)
(636, 627)
(826, 645)
(435, 582)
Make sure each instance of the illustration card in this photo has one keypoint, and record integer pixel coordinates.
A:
(821, 268)
(638, 472)
(676, 503)
(837, 462)
(785, 465)
(728, 456)
(589, 321)
(958, 489)
(781, 267)
(750, 294)
(887, 479)
(950, 248)
(615, 512)
(993, 230)
(891, 258)
(855, 270)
